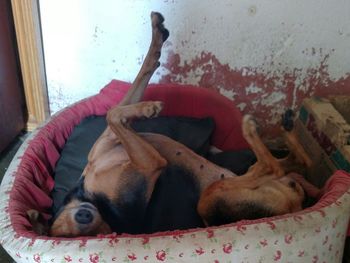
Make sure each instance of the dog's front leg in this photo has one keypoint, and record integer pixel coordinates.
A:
(144, 158)
(266, 163)
(135, 93)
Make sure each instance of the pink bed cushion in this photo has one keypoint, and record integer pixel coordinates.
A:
(32, 178)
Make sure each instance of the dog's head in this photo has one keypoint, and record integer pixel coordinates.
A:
(237, 198)
(78, 218)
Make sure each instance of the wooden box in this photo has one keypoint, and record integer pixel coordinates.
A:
(324, 131)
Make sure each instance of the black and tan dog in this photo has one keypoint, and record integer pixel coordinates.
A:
(124, 166)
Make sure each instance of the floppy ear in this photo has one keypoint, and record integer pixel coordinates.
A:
(39, 225)
(33, 215)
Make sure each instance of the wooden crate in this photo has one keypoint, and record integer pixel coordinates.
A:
(324, 131)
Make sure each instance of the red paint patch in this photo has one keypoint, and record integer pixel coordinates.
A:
(212, 74)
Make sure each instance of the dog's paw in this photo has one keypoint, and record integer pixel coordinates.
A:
(152, 109)
(157, 18)
(288, 120)
(39, 224)
(157, 25)
(249, 126)
(117, 116)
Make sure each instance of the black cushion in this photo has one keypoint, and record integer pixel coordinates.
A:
(236, 161)
(192, 132)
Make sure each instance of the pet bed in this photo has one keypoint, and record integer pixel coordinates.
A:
(316, 234)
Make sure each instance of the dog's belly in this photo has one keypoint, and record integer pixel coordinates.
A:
(115, 156)
(104, 174)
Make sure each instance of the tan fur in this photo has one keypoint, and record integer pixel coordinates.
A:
(65, 225)
(265, 182)
(204, 171)
(39, 224)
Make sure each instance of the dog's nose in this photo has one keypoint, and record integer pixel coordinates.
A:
(83, 216)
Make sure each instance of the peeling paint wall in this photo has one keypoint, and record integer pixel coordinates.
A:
(265, 55)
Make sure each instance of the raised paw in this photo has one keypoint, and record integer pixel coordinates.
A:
(151, 109)
(158, 26)
(249, 126)
(287, 120)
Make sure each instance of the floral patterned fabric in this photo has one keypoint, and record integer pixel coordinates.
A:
(316, 234)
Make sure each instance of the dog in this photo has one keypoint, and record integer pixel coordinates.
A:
(124, 166)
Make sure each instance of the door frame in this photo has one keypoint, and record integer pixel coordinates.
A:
(31, 55)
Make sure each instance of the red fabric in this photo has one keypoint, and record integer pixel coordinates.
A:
(200, 102)
(190, 101)
(33, 182)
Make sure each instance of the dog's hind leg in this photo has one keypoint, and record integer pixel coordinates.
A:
(298, 155)
(266, 163)
(144, 158)
(135, 93)
(151, 62)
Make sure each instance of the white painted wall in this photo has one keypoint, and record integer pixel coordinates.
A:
(87, 42)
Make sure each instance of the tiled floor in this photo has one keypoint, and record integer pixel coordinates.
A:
(5, 159)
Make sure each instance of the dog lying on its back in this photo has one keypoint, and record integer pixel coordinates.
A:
(123, 168)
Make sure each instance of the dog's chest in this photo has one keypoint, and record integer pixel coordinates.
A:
(106, 161)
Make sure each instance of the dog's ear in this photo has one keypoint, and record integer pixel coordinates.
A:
(33, 215)
(310, 189)
(39, 225)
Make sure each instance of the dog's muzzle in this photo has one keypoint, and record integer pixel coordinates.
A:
(85, 213)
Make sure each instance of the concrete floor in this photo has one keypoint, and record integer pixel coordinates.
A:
(5, 159)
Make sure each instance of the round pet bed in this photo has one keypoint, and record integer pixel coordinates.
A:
(316, 234)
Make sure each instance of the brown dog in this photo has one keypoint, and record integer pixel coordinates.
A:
(123, 168)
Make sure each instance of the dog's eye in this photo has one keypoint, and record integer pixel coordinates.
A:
(292, 184)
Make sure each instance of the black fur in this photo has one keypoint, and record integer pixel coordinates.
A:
(123, 216)
(287, 120)
(236, 161)
(218, 215)
(77, 193)
(308, 201)
(126, 215)
(173, 204)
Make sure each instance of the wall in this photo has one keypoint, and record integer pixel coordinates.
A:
(265, 55)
